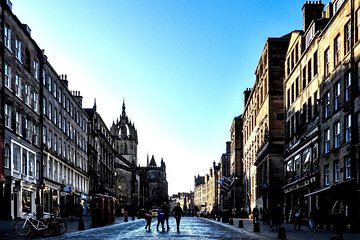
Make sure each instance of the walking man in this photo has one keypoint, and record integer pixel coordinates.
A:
(166, 211)
(177, 212)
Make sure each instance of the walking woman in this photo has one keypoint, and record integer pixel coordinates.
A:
(177, 212)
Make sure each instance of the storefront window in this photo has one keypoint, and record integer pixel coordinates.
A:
(26, 201)
(297, 164)
(289, 169)
(306, 160)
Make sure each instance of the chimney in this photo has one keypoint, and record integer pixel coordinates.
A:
(329, 10)
(246, 95)
(228, 144)
(312, 10)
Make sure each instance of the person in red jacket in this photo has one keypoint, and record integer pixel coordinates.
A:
(148, 218)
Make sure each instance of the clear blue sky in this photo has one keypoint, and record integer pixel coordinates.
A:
(180, 65)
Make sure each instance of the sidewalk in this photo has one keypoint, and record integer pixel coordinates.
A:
(290, 232)
(7, 227)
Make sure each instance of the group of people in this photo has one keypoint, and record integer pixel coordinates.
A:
(163, 215)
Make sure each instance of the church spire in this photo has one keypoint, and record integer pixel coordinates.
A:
(123, 108)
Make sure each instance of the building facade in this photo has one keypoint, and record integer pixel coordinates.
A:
(322, 110)
(263, 128)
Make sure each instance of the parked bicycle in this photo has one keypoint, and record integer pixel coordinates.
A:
(24, 227)
(57, 224)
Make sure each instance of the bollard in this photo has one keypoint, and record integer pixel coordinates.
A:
(281, 234)
(256, 227)
(231, 221)
(133, 217)
(218, 219)
(81, 225)
(241, 224)
(125, 218)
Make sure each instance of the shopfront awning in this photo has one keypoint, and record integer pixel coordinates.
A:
(317, 192)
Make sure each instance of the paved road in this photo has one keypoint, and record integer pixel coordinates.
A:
(190, 228)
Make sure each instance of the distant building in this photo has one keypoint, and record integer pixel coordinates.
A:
(263, 128)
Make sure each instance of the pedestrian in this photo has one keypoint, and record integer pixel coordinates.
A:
(177, 212)
(338, 216)
(297, 218)
(160, 219)
(148, 218)
(255, 213)
(313, 221)
(56, 209)
(166, 210)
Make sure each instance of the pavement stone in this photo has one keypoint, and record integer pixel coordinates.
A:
(290, 232)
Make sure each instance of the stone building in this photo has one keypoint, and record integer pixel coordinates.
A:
(45, 135)
(101, 155)
(153, 184)
(127, 182)
(263, 128)
(322, 110)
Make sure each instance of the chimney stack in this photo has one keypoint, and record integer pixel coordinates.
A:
(312, 10)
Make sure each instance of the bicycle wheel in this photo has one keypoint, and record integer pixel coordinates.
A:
(49, 230)
(22, 227)
(62, 227)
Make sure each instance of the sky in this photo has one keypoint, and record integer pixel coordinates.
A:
(180, 65)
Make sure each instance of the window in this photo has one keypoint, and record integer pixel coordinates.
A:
(306, 160)
(347, 86)
(7, 37)
(18, 123)
(31, 164)
(27, 94)
(357, 25)
(24, 163)
(49, 142)
(44, 135)
(347, 128)
(55, 116)
(337, 135)
(26, 201)
(336, 50)
(304, 83)
(36, 70)
(60, 121)
(35, 134)
(347, 167)
(44, 105)
(7, 116)
(326, 175)
(327, 141)
(37, 169)
(297, 164)
(55, 143)
(50, 111)
(50, 84)
(347, 34)
(326, 63)
(337, 90)
(16, 158)
(18, 49)
(7, 156)
(27, 128)
(44, 77)
(336, 171)
(7, 76)
(315, 61)
(64, 125)
(55, 90)
(18, 86)
(36, 101)
(327, 105)
(309, 71)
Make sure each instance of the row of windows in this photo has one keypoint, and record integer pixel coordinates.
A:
(302, 163)
(21, 160)
(340, 135)
(23, 125)
(64, 101)
(59, 172)
(22, 89)
(337, 89)
(308, 72)
(61, 122)
(336, 170)
(60, 146)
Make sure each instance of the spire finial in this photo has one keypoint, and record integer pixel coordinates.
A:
(94, 107)
(123, 108)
